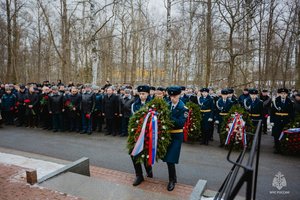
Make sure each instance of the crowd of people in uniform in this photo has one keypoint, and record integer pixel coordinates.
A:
(86, 108)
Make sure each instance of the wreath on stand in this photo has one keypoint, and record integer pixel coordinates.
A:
(149, 132)
(192, 126)
(290, 138)
(237, 128)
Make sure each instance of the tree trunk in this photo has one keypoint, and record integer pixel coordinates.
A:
(9, 42)
(208, 42)
(298, 52)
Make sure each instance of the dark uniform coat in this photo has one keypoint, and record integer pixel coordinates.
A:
(222, 109)
(184, 98)
(207, 108)
(87, 103)
(138, 104)
(281, 114)
(178, 116)
(110, 105)
(254, 108)
(56, 103)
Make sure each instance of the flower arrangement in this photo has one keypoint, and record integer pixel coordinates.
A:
(69, 104)
(243, 129)
(192, 126)
(44, 100)
(290, 138)
(29, 108)
(149, 132)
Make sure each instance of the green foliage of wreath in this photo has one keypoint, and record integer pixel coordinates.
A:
(164, 126)
(194, 128)
(250, 129)
(290, 143)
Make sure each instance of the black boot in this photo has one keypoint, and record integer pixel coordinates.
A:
(138, 172)
(277, 146)
(172, 176)
(138, 180)
(149, 171)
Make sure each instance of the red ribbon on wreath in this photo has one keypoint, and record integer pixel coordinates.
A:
(187, 126)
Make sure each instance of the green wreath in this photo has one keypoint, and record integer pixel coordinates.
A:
(290, 143)
(164, 126)
(193, 122)
(249, 128)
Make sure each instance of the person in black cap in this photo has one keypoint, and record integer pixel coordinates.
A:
(179, 113)
(152, 92)
(184, 98)
(143, 91)
(254, 106)
(207, 108)
(281, 114)
(266, 109)
(159, 92)
(223, 106)
(243, 96)
(231, 96)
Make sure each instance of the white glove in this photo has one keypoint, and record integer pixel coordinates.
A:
(272, 124)
(210, 119)
(217, 122)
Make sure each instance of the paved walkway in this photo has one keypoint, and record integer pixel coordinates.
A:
(181, 191)
(14, 188)
(114, 184)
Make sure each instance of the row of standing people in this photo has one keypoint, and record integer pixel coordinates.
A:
(86, 109)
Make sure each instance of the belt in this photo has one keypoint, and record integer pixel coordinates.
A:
(205, 111)
(282, 114)
(223, 114)
(254, 115)
(176, 131)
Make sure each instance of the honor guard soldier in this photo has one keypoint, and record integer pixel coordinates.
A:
(232, 97)
(143, 91)
(243, 96)
(281, 114)
(207, 108)
(223, 106)
(266, 110)
(152, 92)
(179, 113)
(254, 106)
(184, 98)
(159, 92)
